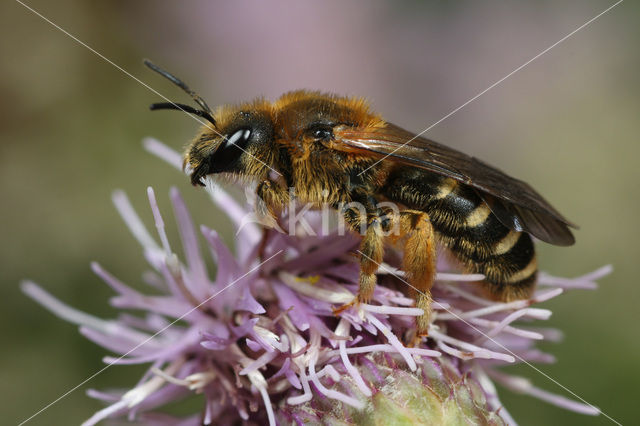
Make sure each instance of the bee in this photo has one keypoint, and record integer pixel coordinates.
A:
(334, 150)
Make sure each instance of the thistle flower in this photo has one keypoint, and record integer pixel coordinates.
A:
(261, 342)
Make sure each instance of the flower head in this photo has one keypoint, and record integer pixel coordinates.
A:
(261, 341)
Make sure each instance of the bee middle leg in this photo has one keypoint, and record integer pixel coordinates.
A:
(371, 252)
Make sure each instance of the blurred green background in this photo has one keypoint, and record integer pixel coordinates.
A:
(71, 127)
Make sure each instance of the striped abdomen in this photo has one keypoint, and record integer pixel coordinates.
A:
(470, 231)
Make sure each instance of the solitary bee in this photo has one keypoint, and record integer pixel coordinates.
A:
(334, 150)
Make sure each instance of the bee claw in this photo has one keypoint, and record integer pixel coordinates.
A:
(417, 338)
(340, 309)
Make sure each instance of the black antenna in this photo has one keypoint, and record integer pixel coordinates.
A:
(183, 107)
(206, 111)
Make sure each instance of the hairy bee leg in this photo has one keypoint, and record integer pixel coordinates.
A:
(371, 252)
(269, 195)
(419, 262)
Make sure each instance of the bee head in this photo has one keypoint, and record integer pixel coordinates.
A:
(241, 144)
(249, 140)
(235, 143)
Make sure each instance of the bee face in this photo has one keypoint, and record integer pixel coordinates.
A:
(240, 144)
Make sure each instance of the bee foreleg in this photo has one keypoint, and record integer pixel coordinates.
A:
(270, 197)
(419, 262)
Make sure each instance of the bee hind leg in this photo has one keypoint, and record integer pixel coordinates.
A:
(419, 263)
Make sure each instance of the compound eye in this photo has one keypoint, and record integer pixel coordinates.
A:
(238, 137)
